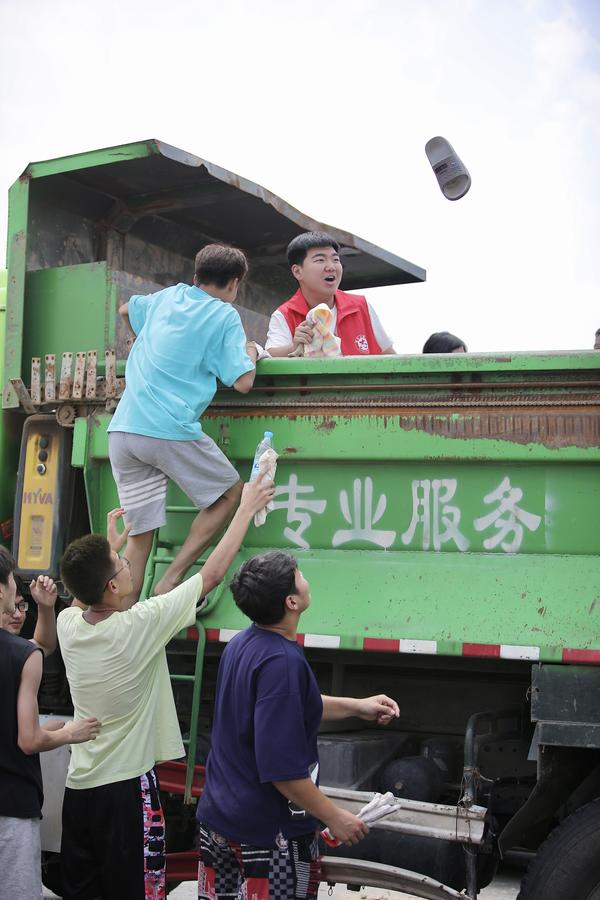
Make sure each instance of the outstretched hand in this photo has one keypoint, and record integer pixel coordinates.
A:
(258, 493)
(43, 591)
(380, 709)
(115, 538)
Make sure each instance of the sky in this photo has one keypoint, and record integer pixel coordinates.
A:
(329, 105)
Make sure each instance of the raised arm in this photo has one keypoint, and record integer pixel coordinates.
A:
(43, 592)
(32, 738)
(124, 313)
(255, 497)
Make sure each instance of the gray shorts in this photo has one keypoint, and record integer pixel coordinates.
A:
(20, 859)
(141, 466)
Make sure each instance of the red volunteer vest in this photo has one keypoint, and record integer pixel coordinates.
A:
(353, 322)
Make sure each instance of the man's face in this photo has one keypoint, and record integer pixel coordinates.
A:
(14, 622)
(8, 595)
(302, 591)
(320, 273)
(122, 574)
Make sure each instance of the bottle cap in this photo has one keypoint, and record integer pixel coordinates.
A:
(268, 434)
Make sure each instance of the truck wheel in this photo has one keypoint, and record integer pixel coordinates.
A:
(567, 865)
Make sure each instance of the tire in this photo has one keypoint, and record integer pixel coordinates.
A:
(567, 865)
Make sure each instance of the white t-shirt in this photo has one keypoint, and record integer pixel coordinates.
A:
(280, 335)
(117, 671)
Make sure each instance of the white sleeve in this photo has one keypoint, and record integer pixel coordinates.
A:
(279, 334)
(381, 335)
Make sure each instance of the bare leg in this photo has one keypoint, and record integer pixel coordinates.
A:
(204, 527)
(137, 552)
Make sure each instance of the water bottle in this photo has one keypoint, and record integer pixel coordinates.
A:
(265, 444)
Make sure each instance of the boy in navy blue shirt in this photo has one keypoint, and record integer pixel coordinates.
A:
(259, 813)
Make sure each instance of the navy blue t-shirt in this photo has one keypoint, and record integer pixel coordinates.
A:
(267, 714)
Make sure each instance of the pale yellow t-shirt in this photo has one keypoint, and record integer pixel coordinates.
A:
(117, 672)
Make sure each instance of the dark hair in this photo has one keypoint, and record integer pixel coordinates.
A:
(86, 567)
(300, 245)
(7, 565)
(597, 332)
(261, 584)
(22, 587)
(443, 342)
(218, 264)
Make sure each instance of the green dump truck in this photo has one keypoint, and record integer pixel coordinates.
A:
(445, 508)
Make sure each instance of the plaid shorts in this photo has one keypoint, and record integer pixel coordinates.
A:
(231, 871)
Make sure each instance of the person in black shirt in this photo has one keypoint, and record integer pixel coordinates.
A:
(21, 740)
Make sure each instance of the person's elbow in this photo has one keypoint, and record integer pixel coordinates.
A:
(244, 383)
(27, 744)
(212, 575)
(47, 648)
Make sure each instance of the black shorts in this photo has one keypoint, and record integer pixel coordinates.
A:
(113, 841)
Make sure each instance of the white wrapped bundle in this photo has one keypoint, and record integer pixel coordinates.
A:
(268, 458)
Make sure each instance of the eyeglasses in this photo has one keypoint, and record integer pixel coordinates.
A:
(126, 565)
(22, 606)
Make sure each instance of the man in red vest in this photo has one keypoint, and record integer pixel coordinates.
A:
(317, 267)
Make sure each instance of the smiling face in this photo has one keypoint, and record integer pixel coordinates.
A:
(319, 275)
(13, 623)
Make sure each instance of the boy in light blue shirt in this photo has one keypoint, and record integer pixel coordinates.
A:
(187, 336)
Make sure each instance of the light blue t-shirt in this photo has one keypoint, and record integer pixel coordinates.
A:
(185, 340)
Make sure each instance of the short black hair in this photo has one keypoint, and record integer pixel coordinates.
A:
(443, 342)
(300, 245)
(217, 264)
(597, 332)
(8, 564)
(86, 567)
(261, 584)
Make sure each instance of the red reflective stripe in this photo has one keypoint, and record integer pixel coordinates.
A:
(490, 650)
(384, 645)
(212, 634)
(192, 634)
(573, 655)
(300, 639)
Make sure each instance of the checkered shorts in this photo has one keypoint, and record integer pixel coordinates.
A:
(232, 871)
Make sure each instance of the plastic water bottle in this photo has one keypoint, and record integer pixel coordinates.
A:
(265, 444)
